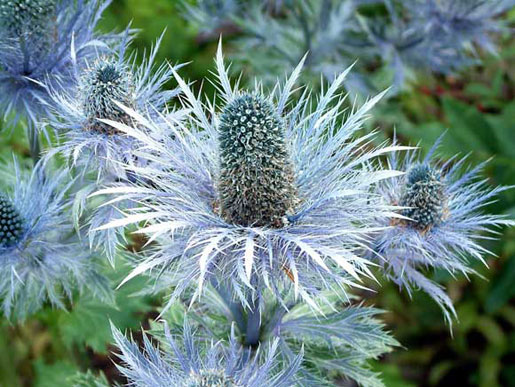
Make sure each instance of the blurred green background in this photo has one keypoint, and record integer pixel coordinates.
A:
(477, 107)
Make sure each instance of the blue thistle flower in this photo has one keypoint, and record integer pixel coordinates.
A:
(190, 364)
(42, 41)
(80, 112)
(90, 143)
(443, 225)
(295, 209)
(41, 258)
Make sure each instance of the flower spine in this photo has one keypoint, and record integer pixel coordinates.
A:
(256, 178)
(105, 83)
(425, 195)
(210, 378)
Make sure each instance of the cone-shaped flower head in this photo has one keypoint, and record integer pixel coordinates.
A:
(256, 178)
(424, 194)
(11, 224)
(188, 363)
(257, 193)
(41, 258)
(101, 85)
(444, 223)
(41, 42)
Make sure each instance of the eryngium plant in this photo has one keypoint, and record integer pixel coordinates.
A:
(444, 225)
(325, 205)
(41, 42)
(188, 363)
(93, 146)
(41, 258)
(110, 78)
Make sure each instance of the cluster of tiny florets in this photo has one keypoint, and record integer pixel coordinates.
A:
(210, 378)
(256, 178)
(103, 84)
(20, 16)
(11, 225)
(424, 193)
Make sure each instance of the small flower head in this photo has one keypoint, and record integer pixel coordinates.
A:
(101, 85)
(11, 223)
(88, 117)
(256, 178)
(192, 364)
(257, 193)
(443, 225)
(42, 41)
(103, 88)
(425, 196)
(41, 258)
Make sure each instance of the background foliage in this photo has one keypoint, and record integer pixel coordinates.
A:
(476, 106)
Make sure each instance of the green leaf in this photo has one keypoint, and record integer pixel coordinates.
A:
(502, 289)
(88, 322)
(88, 379)
(391, 375)
(53, 375)
(468, 129)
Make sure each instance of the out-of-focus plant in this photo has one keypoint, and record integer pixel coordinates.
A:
(384, 37)
(42, 42)
(42, 258)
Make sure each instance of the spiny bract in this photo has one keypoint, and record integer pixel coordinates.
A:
(210, 378)
(103, 84)
(256, 179)
(424, 194)
(11, 224)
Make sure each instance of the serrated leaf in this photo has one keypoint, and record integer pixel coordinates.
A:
(88, 322)
(53, 375)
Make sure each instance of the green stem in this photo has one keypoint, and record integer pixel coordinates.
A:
(34, 144)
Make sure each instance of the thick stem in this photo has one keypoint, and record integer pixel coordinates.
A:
(34, 145)
(234, 308)
(253, 324)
